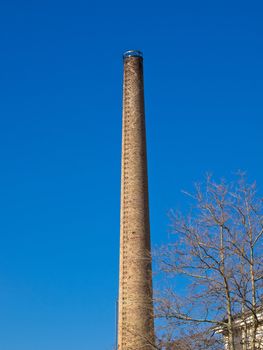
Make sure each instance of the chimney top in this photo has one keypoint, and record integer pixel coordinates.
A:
(132, 53)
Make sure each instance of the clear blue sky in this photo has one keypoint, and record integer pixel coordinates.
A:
(60, 137)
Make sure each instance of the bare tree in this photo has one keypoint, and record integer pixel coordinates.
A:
(212, 269)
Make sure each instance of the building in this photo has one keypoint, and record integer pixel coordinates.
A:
(243, 331)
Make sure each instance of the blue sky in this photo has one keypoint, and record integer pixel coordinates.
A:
(60, 138)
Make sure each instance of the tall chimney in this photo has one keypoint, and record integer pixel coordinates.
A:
(135, 315)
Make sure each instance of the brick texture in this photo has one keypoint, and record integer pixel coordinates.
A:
(135, 316)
